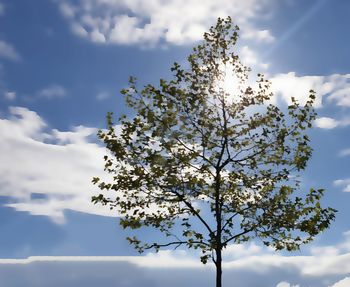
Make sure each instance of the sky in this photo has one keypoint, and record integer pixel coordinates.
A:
(62, 65)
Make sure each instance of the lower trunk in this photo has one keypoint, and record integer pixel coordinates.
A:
(218, 264)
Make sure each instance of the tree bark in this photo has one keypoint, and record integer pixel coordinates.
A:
(218, 263)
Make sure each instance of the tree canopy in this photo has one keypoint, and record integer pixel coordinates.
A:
(208, 166)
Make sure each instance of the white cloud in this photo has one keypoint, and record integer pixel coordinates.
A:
(10, 96)
(307, 265)
(79, 30)
(97, 36)
(286, 284)
(326, 123)
(53, 91)
(330, 87)
(163, 259)
(7, 51)
(150, 22)
(290, 85)
(340, 89)
(344, 183)
(250, 58)
(342, 283)
(56, 164)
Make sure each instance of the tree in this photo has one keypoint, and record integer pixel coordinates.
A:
(207, 166)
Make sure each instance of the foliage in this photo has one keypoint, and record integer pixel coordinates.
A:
(222, 165)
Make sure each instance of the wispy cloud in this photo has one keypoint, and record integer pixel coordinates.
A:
(345, 152)
(66, 9)
(129, 22)
(102, 96)
(53, 91)
(2, 9)
(251, 58)
(7, 51)
(10, 95)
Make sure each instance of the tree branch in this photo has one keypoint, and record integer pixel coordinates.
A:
(238, 235)
(177, 243)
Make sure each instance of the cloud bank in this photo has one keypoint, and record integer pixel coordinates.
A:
(249, 265)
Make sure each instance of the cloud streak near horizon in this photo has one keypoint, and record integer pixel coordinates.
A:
(178, 268)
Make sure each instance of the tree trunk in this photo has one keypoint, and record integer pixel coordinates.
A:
(218, 264)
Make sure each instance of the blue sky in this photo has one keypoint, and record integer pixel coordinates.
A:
(62, 65)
